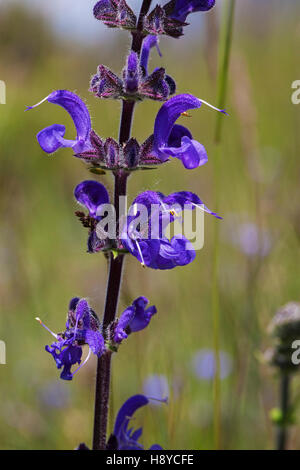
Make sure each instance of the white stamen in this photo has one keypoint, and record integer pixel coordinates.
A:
(161, 400)
(35, 105)
(84, 362)
(46, 327)
(141, 254)
(202, 208)
(213, 107)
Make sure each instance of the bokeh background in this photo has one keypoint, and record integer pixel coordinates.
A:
(55, 45)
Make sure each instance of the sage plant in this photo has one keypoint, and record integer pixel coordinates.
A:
(141, 233)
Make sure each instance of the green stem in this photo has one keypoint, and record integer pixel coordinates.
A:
(225, 49)
(282, 433)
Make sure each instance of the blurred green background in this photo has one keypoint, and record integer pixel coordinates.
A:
(42, 245)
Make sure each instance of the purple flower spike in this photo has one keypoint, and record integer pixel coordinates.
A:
(134, 318)
(91, 195)
(124, 438)
(184, 7)
(52, 138)
(173, 140)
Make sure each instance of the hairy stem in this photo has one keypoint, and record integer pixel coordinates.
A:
(284, 406)
(111, 305)
(126, 121)
(116, 264)
(101, 401)
(138, 36)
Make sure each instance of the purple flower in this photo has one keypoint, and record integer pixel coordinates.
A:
(122, 437)
(149, 42)
(52, 138)
(183, 8)
(204, 364)
(82, 327)
(65, 355)
(157, 85)
(174, 140)
(134, 318)
(91, 195)
(146, 240)
(142, 234)
(136, 83)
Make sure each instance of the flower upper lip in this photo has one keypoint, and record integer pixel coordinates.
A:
(183, 8)
(52, 138)
(174, 140)
(127, 439)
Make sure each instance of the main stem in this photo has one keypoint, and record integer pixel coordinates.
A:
(104, 362)
(284, 407)
(115, 264)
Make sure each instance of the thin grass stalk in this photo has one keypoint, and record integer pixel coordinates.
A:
(224, 60)
(282, 432)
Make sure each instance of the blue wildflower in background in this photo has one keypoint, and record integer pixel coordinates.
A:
(54, 395)
(251, 239)
(204, 364)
